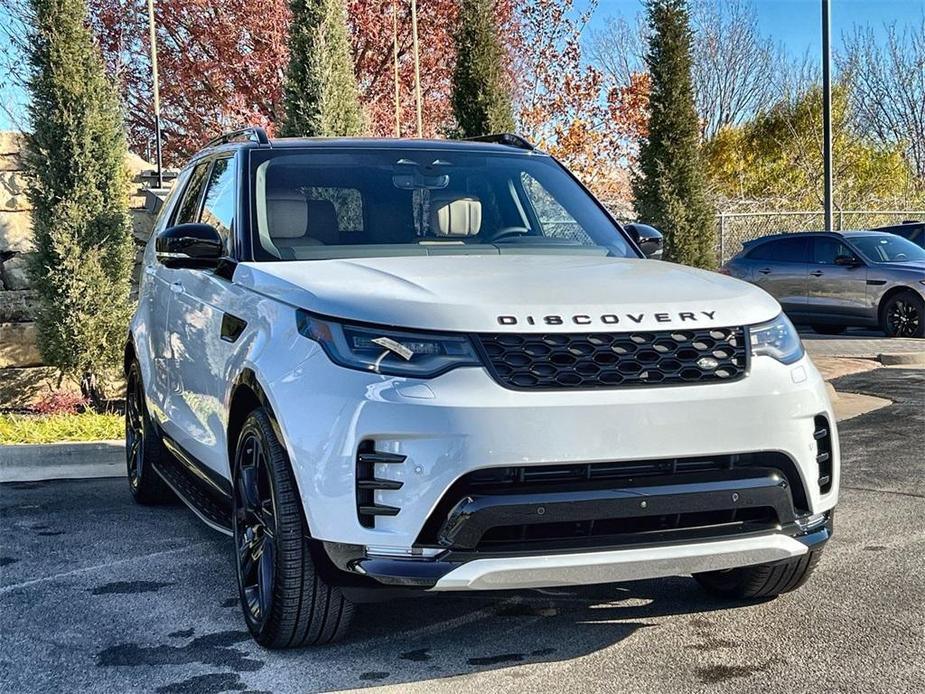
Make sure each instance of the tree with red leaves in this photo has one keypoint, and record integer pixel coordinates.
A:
(221, 65)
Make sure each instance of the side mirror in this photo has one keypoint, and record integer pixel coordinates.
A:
(189, 246)
(648, 238)
(848, 261)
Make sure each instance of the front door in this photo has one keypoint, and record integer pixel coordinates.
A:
(200, 300)
(836, 290)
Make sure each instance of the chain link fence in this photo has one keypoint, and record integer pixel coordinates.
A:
(735, 228)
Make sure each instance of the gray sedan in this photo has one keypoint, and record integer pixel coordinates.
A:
(833, 280)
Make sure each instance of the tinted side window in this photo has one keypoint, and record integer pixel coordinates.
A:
(783, 251)
(188, 211)
(828, 248)
(219, 204)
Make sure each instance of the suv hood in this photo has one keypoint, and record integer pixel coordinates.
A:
(528, 293)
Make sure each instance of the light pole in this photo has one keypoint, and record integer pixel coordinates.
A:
(827, 112)
(417, 66)
(157, 95)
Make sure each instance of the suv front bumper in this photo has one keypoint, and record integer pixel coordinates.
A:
(462, 421)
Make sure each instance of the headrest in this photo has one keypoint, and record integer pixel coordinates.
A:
(287, 218)
(459, 216)
(322, 221)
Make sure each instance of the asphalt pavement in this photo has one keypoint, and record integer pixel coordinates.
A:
(99, 595)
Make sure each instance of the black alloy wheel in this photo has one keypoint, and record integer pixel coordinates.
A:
(143, 445)
(286, 601)
(904, 316)
(255, 529)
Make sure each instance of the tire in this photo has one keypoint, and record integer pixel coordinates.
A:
(761, 580)
(830, 329)
(903, 315)
(143, 446)
(286, 603)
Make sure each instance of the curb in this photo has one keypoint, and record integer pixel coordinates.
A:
(55, 461)
(905, 359)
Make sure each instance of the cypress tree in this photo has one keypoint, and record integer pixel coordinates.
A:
(481, 94)
(78, 187)
(670, 190)
(321, 96)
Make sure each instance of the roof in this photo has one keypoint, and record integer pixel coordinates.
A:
(791, 234)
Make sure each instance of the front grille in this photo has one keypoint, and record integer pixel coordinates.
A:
(555, 361)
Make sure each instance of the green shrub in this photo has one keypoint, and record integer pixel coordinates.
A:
(55, 428)
(78, 189)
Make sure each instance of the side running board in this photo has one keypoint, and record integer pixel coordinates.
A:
(207, 494)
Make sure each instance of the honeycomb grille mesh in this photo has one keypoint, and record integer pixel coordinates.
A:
(538, 361)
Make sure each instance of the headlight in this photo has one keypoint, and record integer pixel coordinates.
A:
(777, 338)
(387, 351)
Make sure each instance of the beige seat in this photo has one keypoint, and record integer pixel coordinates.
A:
(295, 222)
(456, 216)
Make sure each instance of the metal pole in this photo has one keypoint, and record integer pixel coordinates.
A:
(827, 112)
(417, 66)
(395, 60)
(152, 35)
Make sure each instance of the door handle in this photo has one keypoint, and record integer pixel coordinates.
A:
(149, 270)
(176, 287)
(765, 271)
(817, 273)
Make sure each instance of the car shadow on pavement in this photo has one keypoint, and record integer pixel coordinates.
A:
(445, 635)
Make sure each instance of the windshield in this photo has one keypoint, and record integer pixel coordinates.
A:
(887, 248)
(315, 204)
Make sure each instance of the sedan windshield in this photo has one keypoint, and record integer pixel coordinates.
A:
(319, 203)
(887, 248)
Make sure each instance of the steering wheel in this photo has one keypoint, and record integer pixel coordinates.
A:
(505, 232)
(900, 256)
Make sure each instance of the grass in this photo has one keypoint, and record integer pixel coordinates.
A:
(56, 428)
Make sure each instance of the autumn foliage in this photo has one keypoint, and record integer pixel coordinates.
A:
(223, 64)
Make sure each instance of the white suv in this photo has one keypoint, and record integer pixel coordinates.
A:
(442, 366)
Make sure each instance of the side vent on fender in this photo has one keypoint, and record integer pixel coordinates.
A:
(368, 484)
(823, 437)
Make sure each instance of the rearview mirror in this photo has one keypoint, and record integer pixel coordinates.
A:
(848, 260)
(189, 246)
(649, 239)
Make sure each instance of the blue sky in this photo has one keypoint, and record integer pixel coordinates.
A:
(795, 24)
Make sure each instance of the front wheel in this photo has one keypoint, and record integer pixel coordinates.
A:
(761, 580)
(903, 315)
(286, 602)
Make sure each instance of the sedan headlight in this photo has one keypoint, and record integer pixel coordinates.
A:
(777, 338)
(388, 351)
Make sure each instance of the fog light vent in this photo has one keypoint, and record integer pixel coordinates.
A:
(367, 484)
(823, 436)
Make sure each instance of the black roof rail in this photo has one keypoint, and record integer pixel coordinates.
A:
(510, 139)
(253, 133)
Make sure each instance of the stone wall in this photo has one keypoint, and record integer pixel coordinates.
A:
(23, 378)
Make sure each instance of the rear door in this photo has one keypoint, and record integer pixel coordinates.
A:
(779, 267)
(836, 290)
